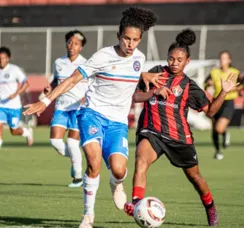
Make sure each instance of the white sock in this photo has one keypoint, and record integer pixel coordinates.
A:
(60, 147)
(1, 142)
(26, 132)
(115, 181)
(90, 186)
(75, 155)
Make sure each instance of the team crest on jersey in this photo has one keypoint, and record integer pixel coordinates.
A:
(136, 65)
(153, 100)
(92, 130)
(177, 90)
(6, 76)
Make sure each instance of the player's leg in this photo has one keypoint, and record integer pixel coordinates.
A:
(13, 119)
(1, 134)
(91, 135)
(220, 127)
(3, 120)
(73, 143)
(194, 176)
(145, 156)
(59, 125)
(115, 155)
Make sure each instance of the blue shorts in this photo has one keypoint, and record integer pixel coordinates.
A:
(10, 116)
(65, 119)
(112, 136)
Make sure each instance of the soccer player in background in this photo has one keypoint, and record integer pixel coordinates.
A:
(13, 83)
(163, 127)
(222, 118)
(103, 124)
(66, 106)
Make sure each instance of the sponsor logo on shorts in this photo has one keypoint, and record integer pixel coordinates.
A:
(92, 130)
(195, 157)
(177, 90)
(136, 65)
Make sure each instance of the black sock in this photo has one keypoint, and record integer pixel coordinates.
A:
(215, 137)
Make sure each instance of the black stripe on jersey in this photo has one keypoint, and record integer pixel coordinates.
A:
(177, 116)
(161, 109)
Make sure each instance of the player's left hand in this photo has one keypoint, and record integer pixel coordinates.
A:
(36, 108)
(154, 78)
(229, 83)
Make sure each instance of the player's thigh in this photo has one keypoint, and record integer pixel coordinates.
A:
(57, 132)
(73, 125)
(59, 124)
(145, 154)
(90, 127)
(3, 116)
(181, 155)
(13, 118)
(221, 124)
(115, 142)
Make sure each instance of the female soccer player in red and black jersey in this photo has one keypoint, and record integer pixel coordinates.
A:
(163, 127)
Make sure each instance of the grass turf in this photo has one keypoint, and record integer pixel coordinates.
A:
(34, 193)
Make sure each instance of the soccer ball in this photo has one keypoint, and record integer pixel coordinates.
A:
(149, 212)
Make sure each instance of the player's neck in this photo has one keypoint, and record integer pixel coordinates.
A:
(73, 57)
(225, 68)
(119, 52)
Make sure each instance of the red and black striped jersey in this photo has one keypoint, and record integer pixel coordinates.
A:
(168, 117)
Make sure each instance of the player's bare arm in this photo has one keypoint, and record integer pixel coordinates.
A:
(63, 87)
(153, 78)
(140, 96)
(50, 87)
(21, 90)
(227, 86)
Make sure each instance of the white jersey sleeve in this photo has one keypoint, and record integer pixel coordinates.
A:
(62, 69)
(20, 76)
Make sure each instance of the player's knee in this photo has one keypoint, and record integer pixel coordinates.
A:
(14, 131)
(220, 129)
(58, 145)
(118, 170)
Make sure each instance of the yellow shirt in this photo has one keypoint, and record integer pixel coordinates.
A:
(216, 74)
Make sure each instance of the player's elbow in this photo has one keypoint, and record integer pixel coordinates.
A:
(135, 98)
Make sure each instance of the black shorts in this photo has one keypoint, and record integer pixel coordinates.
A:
(226, 110)
(179, 154)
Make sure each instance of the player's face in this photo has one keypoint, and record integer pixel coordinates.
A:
(177, 60)
(74, 46)
(129, 40)
(225, 60)
(4, 60)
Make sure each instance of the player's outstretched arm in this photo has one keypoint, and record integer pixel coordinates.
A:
(227, 86)
(63, 87)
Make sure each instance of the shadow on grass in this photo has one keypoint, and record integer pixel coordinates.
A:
(183, 224)
(32, 184)
(19, 221)
(23, 144)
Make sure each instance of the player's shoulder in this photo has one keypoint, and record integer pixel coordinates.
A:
(215, 71)
(82, 59)
(60, 59)
(13, 67)
(234, 70)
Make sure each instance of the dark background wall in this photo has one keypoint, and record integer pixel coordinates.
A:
(175, 13)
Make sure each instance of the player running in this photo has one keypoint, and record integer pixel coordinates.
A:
(10, 104)
(66, 106)
(223, 117)
(163, 127)
(103, 124)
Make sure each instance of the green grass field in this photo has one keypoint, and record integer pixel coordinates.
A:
(33, 190)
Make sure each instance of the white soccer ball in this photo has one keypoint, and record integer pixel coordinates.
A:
(149, 212)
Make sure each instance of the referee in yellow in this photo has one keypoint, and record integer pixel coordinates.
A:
(223, 117)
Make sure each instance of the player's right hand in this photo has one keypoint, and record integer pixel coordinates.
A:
(36, 108)
(154, 78)
(163, 91)
(47, 90)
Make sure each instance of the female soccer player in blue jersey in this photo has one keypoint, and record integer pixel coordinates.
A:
(163, 127)
(103, 124)
(64, 117)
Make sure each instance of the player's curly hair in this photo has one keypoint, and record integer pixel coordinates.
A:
(138, 18)
(6, 51)
(73, 33)
(184, 39)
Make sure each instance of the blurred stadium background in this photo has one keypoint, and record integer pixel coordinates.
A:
(34, 31)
